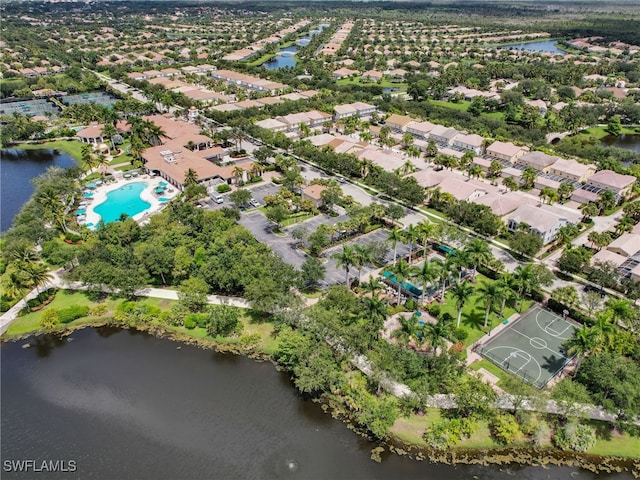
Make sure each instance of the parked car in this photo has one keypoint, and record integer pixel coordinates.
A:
(218, 199)
(254, 203)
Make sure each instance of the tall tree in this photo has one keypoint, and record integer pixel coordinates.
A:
(461, 292)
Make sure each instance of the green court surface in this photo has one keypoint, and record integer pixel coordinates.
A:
(531, 347)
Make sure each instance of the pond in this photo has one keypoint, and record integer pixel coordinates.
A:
(627, 141)
(286, 56)
(546, 46)
(126, 405)
(18, 168)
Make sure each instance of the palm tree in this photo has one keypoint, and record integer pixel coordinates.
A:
(412, 234)
(411, 330)
(427, 230)
(529, 176)
(237, 173)
(446, 268)
(604, 331)
(102, 162)
(523, 278)
(346, 259)
(461, 293)
(395, 235)
(109, 131)
(435, 333)
(24, 254)
(479, 253)
(190, 177)
(490, 294)
(580, 344)
(377, 313)
(621, 310)
(427, 273)
(401, 270)
(373, 286)
(362, 256)
(38, 275)
(507, 284)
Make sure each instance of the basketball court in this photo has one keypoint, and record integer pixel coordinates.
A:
(532, 346)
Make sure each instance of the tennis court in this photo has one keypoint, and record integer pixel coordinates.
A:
(531, 347)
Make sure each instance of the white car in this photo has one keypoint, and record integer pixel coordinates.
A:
(218, 199)
(254, 203)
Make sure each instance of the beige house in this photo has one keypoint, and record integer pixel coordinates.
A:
(506, 151)
(539, 161)
(314, 194)
(572, 170)
(610, 180)
(626, 245)
(399, 123)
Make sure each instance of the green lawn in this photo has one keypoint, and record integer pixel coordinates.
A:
(297, 218)
(384, 83)
(72, 147)
(65, 298)
(473, 312)
(410, 429)
(617, 445)
(599, 132)
(463, 105)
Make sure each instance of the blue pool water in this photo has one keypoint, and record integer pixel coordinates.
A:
(125, 199)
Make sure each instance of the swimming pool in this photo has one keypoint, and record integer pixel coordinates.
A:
(125, 199)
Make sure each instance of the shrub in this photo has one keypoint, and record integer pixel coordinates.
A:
(199, 319)
(461, 334)
(574, 436)
(72, 237)
(223, 188)
(410, 304)
(72, 312)
(448, 432)
(98, 310)
(189, 323)
(434, 309)
(504, 428)
(49, 318)
(136, 312)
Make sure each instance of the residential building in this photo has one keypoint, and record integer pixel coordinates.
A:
(420, 129)
(541, 221)
(471, 142)
(572, 170)
(399, 123)
(443, 135)
(610, 180)
(506, 151)
(314, 194)
(627, 244)
(539, 161)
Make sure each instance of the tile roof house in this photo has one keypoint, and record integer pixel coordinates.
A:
(389, 161)
(605, 255)
(542, 221)
(627, 244)
(272, 125)
(471, 142)
(503, 204)
(461, 190)
(506, 151)
(314, 194)
(428, 178)
(92, 134)
(399, 123)
(539, 161)
(572, 170)
(420, 129)
(443, 135)
(610, 180)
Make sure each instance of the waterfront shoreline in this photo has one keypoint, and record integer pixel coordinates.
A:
(393, 444)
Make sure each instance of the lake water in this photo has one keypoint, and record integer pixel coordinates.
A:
(286, 56)
(17, 168)
(628, 142)
(549, 46)
(126, 405)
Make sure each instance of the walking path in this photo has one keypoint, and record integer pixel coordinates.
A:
(57, 282)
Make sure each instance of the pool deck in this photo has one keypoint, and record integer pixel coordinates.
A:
(100, 195)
